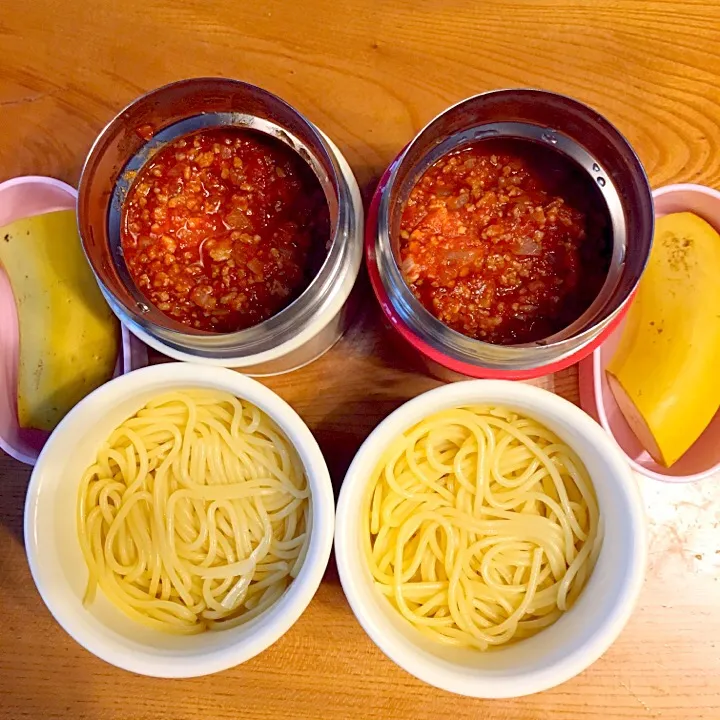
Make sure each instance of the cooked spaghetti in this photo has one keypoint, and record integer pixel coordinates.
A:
(195, 514)
(482, 526)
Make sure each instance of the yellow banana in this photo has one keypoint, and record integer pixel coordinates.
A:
(665, 374)
(69, 338)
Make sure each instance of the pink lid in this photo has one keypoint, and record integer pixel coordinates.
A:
(596, 398)
(20, 198)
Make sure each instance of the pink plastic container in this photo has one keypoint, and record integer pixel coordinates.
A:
(596, 398)
(19, 198)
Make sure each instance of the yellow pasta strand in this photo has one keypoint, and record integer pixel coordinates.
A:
(482, 526)
(195, 514)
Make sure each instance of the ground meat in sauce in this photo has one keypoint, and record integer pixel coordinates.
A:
(224, 228)
(504, 241)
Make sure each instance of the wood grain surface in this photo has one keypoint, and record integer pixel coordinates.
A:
(370, 74)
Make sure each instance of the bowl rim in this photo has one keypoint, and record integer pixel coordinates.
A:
(686, 187)
(294, 601)
(440, 673)
(38, 180)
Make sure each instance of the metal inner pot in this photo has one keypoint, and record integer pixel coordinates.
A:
(566, 127)
(179, 109)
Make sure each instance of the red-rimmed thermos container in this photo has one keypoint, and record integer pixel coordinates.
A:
(561, 125)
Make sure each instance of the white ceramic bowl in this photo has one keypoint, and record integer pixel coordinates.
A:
(59, 569)
(582, 634)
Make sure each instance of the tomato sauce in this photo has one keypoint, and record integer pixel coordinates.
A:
(223, 228)
(505, 241)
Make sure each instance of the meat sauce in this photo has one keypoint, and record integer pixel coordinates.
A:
(505, 241)
(223, 228)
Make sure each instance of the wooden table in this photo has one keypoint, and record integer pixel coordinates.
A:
(371, 74)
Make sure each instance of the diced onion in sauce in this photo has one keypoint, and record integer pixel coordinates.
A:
(221, 228)
(504, 242)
